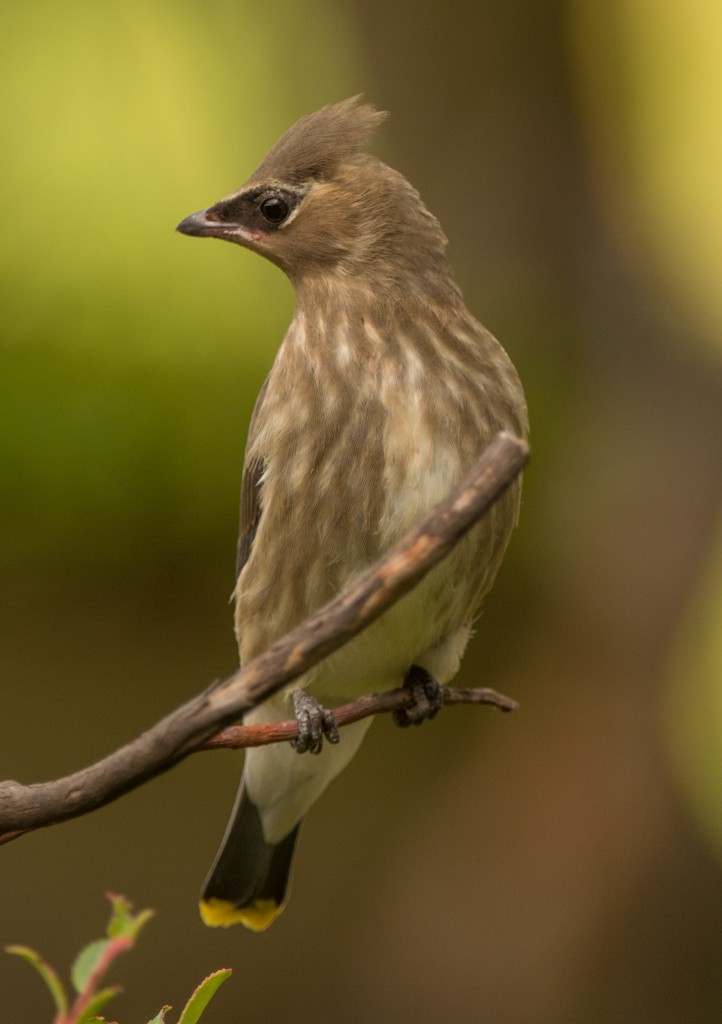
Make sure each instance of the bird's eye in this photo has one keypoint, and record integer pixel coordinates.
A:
(275, 210)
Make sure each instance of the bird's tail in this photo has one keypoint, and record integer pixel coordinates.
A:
(249, 877)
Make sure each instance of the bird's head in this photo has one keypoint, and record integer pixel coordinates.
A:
(318, 204)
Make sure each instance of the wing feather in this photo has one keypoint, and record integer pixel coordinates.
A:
(250, 512)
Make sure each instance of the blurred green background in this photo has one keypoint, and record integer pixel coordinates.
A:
(560, 865)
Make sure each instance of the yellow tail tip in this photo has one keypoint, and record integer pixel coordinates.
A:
(222, 913)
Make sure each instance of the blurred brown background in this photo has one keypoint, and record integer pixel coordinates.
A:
(559, 865)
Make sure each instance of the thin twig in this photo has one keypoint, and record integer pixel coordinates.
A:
(237, 737)
(185, 730)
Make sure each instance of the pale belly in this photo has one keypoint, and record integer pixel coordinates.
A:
(430, 626)
(284, 784)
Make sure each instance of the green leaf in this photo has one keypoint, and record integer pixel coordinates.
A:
(86, 962)
(48, 975)
(123, 924)
(203, 995)
(97, 1003)
(120, 916)
(160, 1018)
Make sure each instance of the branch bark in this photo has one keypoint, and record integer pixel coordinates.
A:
(189, 727)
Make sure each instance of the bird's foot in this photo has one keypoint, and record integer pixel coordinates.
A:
(314, 722)
(428, 698)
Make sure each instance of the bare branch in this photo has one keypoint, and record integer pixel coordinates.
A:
(237, 737)
(185, 730)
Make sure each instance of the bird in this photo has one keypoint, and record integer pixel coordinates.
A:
(383, 393)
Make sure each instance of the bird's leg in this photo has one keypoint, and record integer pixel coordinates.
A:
(314, 722)
(427, 694)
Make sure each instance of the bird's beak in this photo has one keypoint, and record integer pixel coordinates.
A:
(204, 224)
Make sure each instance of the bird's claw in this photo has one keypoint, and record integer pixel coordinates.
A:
(427, 694)
(314, 722)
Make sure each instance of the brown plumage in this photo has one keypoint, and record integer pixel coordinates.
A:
(384, 392)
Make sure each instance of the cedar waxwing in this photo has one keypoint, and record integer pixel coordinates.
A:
(383, 393)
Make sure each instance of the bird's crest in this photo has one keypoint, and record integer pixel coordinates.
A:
(318, 143)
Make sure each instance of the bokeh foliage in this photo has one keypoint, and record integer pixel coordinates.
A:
(130, 358)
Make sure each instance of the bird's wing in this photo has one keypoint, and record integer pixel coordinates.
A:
(250, 513)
